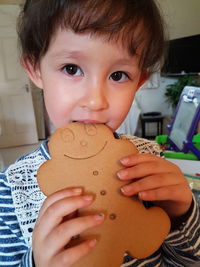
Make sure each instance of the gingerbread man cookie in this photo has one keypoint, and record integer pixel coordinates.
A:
(88, 156)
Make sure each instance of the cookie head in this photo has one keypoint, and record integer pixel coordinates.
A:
(79, 141)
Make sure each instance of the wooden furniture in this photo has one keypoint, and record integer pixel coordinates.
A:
(152, 117)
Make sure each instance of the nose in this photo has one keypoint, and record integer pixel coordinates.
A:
(83, 143)
(95, 97)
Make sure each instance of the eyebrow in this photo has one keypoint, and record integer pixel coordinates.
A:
(78, 54)
(124, 61)
(68, 54)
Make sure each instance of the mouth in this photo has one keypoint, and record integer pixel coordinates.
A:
(88, 156)
(90, 121)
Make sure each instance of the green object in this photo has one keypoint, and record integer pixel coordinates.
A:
(162, 140)
(180, 155)
(192, 176)
(196, 141)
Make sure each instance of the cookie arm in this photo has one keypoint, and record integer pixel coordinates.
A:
(47, 174)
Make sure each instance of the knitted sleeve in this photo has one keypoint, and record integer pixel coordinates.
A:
(13, 250)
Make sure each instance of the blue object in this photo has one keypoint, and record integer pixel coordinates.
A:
(185, 122)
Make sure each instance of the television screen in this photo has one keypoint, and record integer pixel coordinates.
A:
(183, 56)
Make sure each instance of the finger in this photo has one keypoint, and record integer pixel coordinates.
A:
(68, 192)
(62, 234)
(141, 170)
(70, 256)
(145, 168)
(55, 213)
(172, 192)
(175, 199)
(138, 158)
(152, 182)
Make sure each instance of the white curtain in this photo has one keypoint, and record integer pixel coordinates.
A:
(129, 126)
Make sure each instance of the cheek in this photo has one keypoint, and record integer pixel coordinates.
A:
(124, 100)
(122, 111)
(57, 108)
(120, 108)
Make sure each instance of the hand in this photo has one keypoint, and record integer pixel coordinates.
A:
(157, 180)
(51, 233)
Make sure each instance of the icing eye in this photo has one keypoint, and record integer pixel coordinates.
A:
(90, 129)
(67, 135)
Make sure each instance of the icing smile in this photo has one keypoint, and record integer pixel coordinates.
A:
(88, 156)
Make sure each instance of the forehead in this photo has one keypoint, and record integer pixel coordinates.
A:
(66, 43)
(66, 38)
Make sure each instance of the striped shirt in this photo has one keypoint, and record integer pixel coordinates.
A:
(21, 200)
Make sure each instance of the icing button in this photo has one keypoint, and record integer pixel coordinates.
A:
(103, 192)
(95, 173)
(113, 216)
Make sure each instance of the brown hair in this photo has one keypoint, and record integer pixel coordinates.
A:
(136, 23)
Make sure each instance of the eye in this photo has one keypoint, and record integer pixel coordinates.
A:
(119, 76)
(72, 70)
(67, 135)
(91, 129)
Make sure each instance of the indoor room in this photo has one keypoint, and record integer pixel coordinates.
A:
(140, 146)
(24, 122)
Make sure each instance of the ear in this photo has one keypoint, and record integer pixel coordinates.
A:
(33, 71)
(143, 78)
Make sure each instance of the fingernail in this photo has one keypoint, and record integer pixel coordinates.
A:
(92, 243)
(88, 197)
(99, 217)
(125, 189)
(122, 174)
(125, 161)
(77, 190)
(142, 194)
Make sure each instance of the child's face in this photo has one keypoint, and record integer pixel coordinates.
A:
(87, 79)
